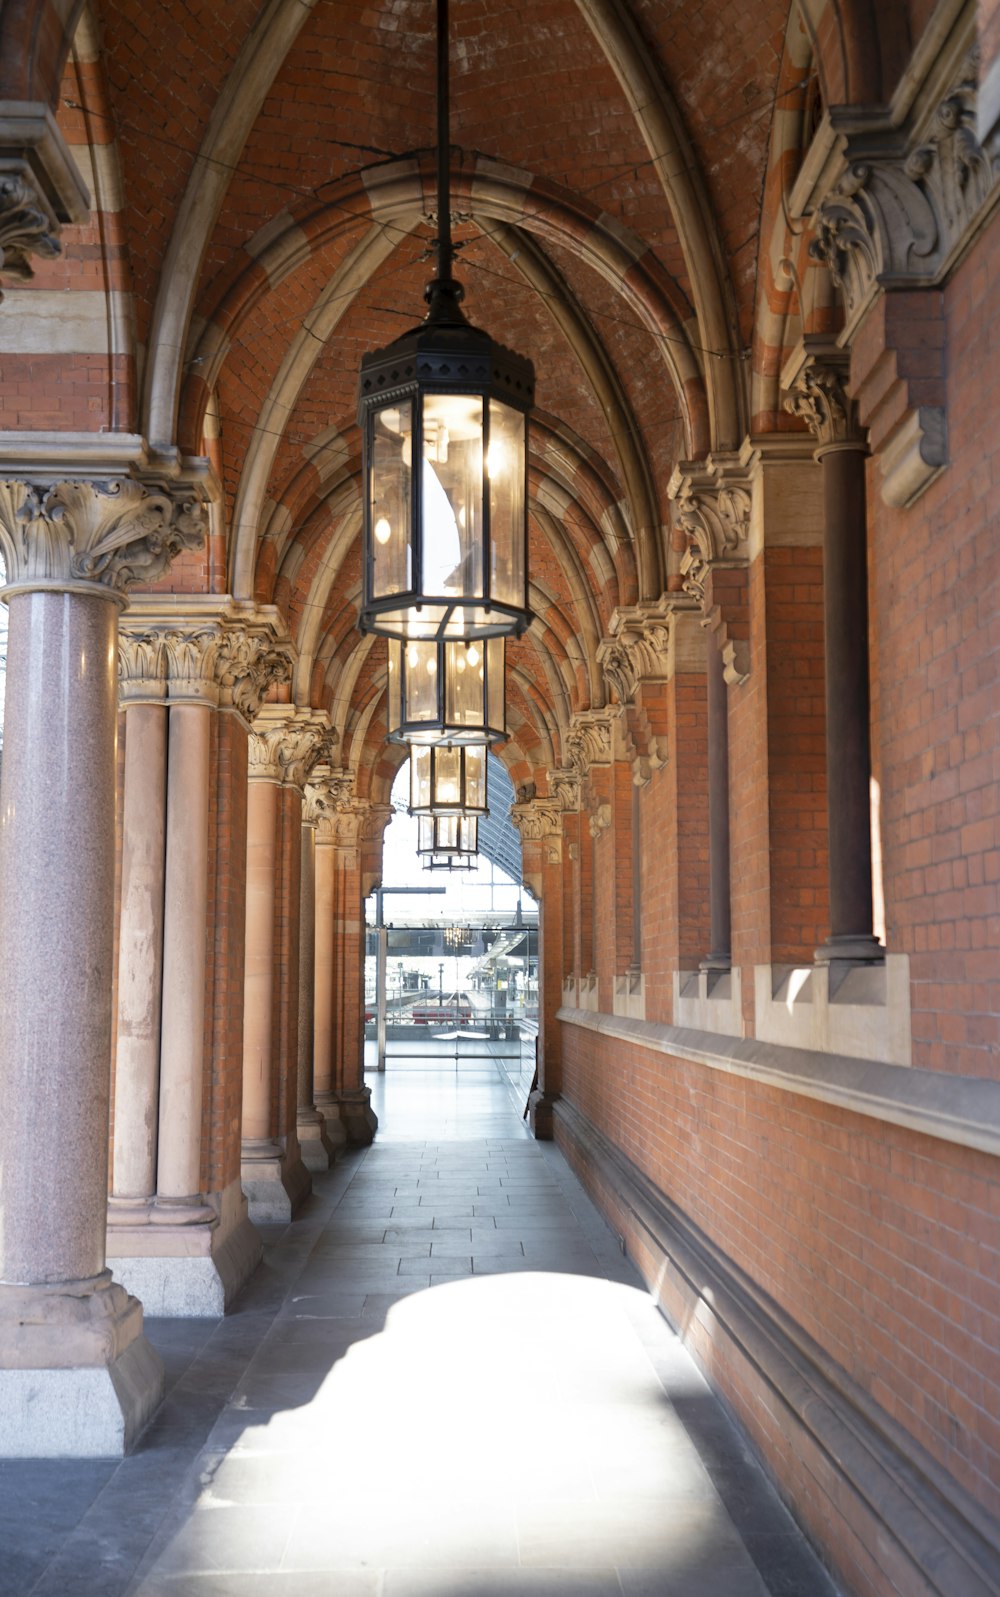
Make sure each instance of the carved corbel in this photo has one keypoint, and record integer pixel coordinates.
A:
(40, 188)
(588, 741)
(248, 665)
(712, 506)
(285, 744)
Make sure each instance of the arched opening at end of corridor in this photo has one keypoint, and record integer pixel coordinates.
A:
(452, 958)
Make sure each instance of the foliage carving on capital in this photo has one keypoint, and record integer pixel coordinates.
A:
(564, 786)
(248, 665)
(114, 533)
(142, 666)
(539, 821)
(25, 228)
(638, 647)
(375, 821)
(285, 750)
(818, 396)
(588, 741)
(901, 207)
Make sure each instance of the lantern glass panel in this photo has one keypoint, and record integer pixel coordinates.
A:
(452, 491)
(447, 784)
(395, 685)
(495, 706)
(420, 779)
(475, 778)
(390, 507)
(505, 471)
(421, 691)
(464, 671)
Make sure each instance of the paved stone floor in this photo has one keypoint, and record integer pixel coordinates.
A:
(445, 1380)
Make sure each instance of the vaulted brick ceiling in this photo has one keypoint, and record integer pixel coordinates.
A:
(609, 165)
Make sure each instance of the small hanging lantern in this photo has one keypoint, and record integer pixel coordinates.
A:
(446, 692)
(448, 781)
(443, 414)
(448, 837)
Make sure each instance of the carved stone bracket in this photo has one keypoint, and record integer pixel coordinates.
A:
(903, 203)
(637, 646)
(600, 820)
(894, 199)
(712, 509)
(40, 187)
(340, 818)
(112, 533)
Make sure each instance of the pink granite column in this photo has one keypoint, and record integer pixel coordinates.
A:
(318, 1152)
(59, 1310)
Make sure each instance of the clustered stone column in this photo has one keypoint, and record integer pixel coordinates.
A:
(77, 1375)
(820, 398)
(178, 1229)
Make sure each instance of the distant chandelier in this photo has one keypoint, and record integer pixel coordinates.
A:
(445, 546)
(448, 781)
(446, 692)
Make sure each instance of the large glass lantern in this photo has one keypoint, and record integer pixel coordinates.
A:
(448, 836)
(448, 781)
(443, 413)
(443, 417)
(446, 692)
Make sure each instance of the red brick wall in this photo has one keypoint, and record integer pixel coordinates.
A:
(934, 609)
(881, 1243)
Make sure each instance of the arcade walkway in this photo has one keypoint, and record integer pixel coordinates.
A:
(446, 1381)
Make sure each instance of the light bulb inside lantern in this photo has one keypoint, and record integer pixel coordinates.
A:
(383, 531)
(472, 655)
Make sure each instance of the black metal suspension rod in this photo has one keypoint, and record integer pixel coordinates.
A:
(445, 249)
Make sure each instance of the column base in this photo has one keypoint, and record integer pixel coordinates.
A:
(540, 1108)
(317, 1148)
(275, 1184)
(186, 1271)
(78, 1378)
(851, 950)
(358, 1118)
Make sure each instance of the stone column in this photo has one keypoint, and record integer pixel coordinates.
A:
(340, 1091)
(720, 955)
(275, 1179)
(318, 1149)
(819, 396)
(140, 935)
(539, 821)
(77, 1376)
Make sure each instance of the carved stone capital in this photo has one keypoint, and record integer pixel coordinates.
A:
(564, 786)
(816, 379)
(82, 533)
(539, 822)
(286, 743)
(330, 805)
(374, 822)
(247, 666)
(202, 659)
(589, 739)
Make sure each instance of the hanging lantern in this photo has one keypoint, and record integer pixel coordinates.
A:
(448, 781)
(446, 692)
(454, 837)
(443, 414)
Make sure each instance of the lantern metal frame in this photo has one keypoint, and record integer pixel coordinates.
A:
(444, 780)
(425, 691)
(481, 596)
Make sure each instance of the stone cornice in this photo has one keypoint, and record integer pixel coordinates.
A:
(106, 535)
